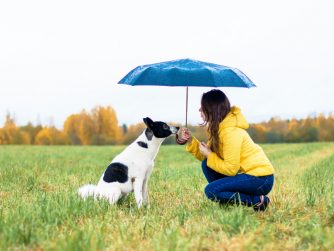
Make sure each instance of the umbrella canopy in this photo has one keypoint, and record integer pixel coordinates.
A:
(187, 72)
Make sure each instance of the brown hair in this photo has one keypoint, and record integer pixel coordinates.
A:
(215, 106)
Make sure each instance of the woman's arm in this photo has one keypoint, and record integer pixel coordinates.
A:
(229, 164)
(193, 145)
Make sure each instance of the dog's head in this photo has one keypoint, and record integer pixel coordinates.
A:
(159, 129)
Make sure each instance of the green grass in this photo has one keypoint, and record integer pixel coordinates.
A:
(39, 208)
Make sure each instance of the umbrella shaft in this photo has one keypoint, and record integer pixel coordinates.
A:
(186, 106)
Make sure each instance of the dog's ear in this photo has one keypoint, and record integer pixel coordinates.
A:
(148, 122)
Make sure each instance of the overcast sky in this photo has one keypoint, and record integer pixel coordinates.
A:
(59, 57)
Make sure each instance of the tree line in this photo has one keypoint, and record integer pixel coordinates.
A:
(310, 129)
(100, 127)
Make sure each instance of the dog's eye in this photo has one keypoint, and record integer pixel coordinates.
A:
(165, 127)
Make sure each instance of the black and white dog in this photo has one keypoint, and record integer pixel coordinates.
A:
(130, 170)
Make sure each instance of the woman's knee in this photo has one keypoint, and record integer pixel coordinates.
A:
(210, 192)
(267, 186)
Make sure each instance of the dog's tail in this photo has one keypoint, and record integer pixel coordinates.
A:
(86, 191)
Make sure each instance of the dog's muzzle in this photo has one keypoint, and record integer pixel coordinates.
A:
(174, 129)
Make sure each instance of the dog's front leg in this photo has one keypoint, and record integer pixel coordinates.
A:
(138, 190)
(145, 187)
(145, 193)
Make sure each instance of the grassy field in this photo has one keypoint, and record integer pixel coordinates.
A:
(39, 208)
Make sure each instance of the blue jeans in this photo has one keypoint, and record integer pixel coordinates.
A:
(242, 188)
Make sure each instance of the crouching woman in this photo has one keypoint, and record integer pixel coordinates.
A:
(237, 169)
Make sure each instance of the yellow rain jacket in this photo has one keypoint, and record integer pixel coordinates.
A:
(238, 151)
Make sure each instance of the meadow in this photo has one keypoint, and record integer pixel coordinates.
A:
(40, 210)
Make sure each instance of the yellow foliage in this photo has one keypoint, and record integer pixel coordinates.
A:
(85, 128)
(260, 132)
(11, 134)
(9, 130)
(133, 132)
(50, 136)
(2, 137)
(71, 129)
(24, 138)
(106, 125)
(43, 137)
(293, 124)
(100, 126)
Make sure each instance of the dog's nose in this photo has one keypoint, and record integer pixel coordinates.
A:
(174, 129)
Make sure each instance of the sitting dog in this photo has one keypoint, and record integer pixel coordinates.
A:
(130, 170)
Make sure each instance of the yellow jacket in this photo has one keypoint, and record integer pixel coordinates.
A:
(239, 153)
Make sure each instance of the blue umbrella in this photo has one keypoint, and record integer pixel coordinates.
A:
(187, 72)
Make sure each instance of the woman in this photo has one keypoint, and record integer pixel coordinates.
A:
(236, 168)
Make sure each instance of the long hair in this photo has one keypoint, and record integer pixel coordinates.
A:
(215, 106)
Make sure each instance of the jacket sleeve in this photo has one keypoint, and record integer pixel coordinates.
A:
(229, 164)
(193, 148)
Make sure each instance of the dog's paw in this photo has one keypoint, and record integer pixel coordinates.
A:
(146, 203)
(113, 199)
(139, 203)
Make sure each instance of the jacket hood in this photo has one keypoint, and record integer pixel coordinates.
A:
(234, 119)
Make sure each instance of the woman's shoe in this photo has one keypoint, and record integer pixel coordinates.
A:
(262, 205)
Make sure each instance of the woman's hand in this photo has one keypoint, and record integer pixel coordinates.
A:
(204, 149)
(185, 135)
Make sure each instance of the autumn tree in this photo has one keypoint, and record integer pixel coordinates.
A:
(132, 132)
(325, 127)
(257, 132)
(107, 130)
(71, 129)
(308, 130)
(10, 133)
(85, 128)
(31, 130)
(2, 137)
(9, 130)
(293, 134)
(50, 136)
(330, 125)
(98, 127)
(79, 128)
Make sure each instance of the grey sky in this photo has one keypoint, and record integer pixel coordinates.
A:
(58, 57)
